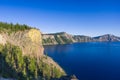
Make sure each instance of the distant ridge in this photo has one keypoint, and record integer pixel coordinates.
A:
(107, 37)
(55, 33)
(65, 38)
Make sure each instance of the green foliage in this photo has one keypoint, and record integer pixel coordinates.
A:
(65, 39)
(58, 39)
(14, 65)
(48, 40)
(56, 72)
(12, 28)
(48, 70)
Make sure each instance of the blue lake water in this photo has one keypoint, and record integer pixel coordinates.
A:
(88, 61)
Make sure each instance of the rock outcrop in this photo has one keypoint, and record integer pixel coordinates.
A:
(57, 38)
(2, 40)
(29, 41)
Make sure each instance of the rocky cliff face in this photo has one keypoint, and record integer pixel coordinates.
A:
(80, 38)
(57, 38)
(106, 38)
(64, 38)
(29, 41)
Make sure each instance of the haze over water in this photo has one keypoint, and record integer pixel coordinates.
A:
(88, 61)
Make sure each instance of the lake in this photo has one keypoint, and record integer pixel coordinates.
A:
(88, 61)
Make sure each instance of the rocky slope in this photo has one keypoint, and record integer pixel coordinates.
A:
(29, 41)
(106, 38)
(64, 38)
(57, 38)
(81, 38)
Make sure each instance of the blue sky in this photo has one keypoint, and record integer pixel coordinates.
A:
(79, 17)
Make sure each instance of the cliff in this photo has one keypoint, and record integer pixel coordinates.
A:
(29, 41)
(22, 53)
(81, 38)
(65, 38)
(106, 38)
(57, 38)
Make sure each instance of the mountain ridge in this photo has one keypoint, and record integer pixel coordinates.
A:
(65, 38)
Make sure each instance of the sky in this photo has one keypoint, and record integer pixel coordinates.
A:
(78, 17)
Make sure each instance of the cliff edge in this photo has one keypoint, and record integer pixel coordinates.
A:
(22, 54)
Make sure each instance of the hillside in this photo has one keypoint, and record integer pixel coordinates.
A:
(81, 38)
(65, 38)
(57, 38)
(22, 54)
(107, 38)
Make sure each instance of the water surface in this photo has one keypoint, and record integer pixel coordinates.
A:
(88, 61)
